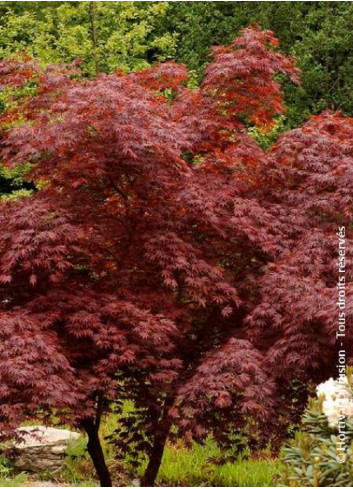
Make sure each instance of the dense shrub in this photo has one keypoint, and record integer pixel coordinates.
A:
(314, 458)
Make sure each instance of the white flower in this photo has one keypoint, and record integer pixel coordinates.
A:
(327, 388)
(337, 400)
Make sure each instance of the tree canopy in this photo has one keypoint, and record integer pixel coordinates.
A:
(149, 264)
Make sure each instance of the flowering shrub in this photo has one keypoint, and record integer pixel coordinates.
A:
(337, 398)
(322, 454)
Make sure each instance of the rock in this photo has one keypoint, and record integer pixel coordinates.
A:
(42, 448)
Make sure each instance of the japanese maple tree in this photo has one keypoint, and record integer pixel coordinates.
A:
(158, 233)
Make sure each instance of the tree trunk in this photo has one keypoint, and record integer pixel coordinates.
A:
(92, 18)
(155, 459)
(95, 451)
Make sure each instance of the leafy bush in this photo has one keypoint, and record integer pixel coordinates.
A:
(313, 458)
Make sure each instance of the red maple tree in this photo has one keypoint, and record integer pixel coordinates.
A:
(308, 181)
(158, 233)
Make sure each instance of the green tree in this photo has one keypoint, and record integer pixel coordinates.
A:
(106, 36)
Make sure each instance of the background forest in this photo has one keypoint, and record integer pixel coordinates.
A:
(181, 315)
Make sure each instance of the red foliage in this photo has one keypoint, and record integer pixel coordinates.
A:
(166, 258)
(310, 175)
(241, 76)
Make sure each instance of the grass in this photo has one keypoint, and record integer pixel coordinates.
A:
(14, 481)
(191, 467)
(7, 476)
(181, 466)
(78, 467)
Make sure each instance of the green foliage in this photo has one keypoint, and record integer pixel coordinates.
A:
(181, 466)
(311, 458)
(13, 183)
(16, 481)
(324, 54)
(8, 477)
(5, 467)
(106, 36)
(77, 467)
(193, 467)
